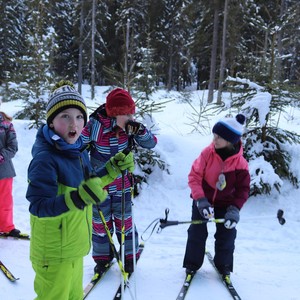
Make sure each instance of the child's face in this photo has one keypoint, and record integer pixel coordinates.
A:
(123, 119)
(219, 142)
(68, 124)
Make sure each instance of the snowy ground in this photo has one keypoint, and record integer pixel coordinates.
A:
(267, 256)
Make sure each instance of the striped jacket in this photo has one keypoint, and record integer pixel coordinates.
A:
(105, 142)
(205, 172)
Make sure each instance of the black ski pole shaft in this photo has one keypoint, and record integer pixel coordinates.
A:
(164, 223)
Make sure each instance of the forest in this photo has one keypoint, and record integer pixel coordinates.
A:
(245, 47)
(144, 44)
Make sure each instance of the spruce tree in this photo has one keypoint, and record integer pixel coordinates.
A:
(36, 62)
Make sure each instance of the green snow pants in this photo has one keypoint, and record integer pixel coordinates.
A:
(60, 281)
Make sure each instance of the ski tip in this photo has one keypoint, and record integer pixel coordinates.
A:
(15, 279)
(21, 236)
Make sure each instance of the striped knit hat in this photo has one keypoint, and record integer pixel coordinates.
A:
(64, 96)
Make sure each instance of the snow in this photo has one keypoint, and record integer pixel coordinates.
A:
(267, 255)
(261, 101)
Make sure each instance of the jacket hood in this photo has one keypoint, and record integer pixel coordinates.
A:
(48, 140)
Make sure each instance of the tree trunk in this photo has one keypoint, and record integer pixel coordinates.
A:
(279, 45)
(213, 60)
(93, 50)
(126, 76)
(80, 50)
(223, 57)
(169, 83)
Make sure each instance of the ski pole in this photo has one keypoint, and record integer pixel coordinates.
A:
(165, 222)
(116, 254)
(111, 242)
(133, 249)
(123, 230)
(123, 236)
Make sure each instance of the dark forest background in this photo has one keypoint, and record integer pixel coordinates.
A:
(246, 47)
(146, 43)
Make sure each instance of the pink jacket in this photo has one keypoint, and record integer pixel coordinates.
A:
(205, 172)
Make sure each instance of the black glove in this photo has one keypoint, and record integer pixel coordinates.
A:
(231, 217)
(205, 209)
(89, 192)
(133, 127)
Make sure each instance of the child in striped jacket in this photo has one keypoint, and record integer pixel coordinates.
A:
(109, 130)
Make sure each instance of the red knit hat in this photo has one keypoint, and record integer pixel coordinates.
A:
(119, 102)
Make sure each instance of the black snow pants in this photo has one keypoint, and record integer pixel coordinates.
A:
(196, 243)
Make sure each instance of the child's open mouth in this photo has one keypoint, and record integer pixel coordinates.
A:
(72, 134)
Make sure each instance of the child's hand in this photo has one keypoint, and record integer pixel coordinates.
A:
(89, 192)
(205, 209)
(118, 163)
(133, 127)
(231, 217)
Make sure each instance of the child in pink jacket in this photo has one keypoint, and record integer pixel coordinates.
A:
(8, 149)
(220, 185)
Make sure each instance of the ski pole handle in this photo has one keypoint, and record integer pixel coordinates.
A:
(164, 223)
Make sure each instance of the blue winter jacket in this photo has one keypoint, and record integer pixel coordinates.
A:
(57, 234)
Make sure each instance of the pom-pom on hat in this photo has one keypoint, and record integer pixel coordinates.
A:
(230, 129)
(119, 102)
(63, 96)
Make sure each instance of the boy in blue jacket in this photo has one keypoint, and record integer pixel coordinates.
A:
(61, 193)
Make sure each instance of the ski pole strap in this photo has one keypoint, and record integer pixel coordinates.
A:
(164, 223)
(156, 221)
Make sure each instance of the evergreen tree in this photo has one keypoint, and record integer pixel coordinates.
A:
(64, 52)
(12, 44)
(263, 106)
(36, 62)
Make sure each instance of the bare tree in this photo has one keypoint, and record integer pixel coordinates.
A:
(126, 79)
(170, 68)
(279, 44)
(213, 60)
(223, 56)
(80, 48)
(93, 50)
